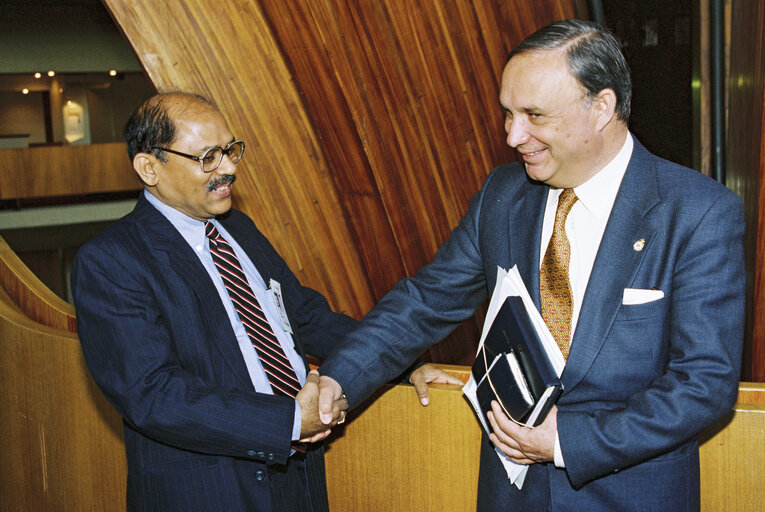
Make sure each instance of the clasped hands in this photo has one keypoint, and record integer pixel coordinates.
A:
(324, 405)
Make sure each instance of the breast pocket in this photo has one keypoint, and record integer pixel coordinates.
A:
(634, 351)
(647, 310)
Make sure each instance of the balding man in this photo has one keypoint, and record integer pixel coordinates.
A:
(196, 330)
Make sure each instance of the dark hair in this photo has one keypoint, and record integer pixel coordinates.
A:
(151, 124)
(594, 58)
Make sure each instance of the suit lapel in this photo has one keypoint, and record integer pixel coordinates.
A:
(168, 244)
(522, 223)
(616, 264)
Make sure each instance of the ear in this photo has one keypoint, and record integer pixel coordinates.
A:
(145, 166)
(604, 104)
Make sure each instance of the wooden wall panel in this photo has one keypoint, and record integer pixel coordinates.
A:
(369, 124)
(426, 458)
(39, 172)
(61, 442)
(417, 85)
(745, 164)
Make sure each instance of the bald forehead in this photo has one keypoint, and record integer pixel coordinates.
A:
(186, 106)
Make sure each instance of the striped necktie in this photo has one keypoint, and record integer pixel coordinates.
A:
(278, 369)
(554, 285)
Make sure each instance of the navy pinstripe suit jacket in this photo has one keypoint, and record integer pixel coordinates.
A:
(159, 344)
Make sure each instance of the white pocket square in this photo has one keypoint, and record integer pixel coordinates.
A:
(634, 296)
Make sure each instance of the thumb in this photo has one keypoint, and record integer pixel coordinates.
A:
(329, 391)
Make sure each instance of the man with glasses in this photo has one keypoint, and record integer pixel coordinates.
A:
(195, 330)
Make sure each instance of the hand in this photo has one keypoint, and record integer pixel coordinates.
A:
(522, 444)
(330, 393)
(426, 374)
(312, 429)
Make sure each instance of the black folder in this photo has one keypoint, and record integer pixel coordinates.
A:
(512, 337)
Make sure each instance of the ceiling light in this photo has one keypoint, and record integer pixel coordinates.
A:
(24, 91)
(112, 72)
(51, 73)
(38, 75)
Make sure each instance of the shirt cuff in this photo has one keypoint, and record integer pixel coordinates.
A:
(298, 422)
(557, 455)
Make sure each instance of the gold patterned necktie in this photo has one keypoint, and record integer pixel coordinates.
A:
(554, 286)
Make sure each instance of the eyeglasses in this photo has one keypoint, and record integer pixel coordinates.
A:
(211, 159)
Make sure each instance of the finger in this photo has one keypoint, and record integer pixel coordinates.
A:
(510, 452)
(312, 377)
(338, 413)
(448, 378)
(437, 375)
(504, 437)
(316, 437)
(420, 387)
(503, 423)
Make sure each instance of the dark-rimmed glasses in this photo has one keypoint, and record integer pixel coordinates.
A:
(211, 159)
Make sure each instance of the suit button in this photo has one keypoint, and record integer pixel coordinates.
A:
(270, 457)
(260, 475)
(251, 453)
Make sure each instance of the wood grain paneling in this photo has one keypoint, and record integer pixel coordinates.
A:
(397, 455)
(39, 172)
(426, 458)
(369, 124)
(35, 299)
(745, 164)
(61, 442)
(732, 460)
(417, 84)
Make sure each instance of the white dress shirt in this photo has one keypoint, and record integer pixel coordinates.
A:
(585, 225)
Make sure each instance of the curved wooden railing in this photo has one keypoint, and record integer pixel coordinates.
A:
(62, 447)
(60, 441)
(35, 299)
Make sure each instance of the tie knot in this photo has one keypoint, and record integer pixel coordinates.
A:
(210, 231)
(566, 200)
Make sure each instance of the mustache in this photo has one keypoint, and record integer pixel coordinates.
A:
(221, 180)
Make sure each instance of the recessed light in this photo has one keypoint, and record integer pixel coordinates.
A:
(112, 72)
(51, 73)
(38, 75)
(24, 91)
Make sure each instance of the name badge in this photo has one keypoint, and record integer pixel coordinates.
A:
(276, 294)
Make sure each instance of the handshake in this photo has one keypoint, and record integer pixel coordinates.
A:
(323, 403)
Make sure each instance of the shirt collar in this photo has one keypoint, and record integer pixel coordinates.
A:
(598, 193)
(192, 230)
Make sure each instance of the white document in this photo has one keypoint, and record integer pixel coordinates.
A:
(509, 283)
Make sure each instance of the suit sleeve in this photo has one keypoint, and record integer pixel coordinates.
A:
(704, 330)
(419, 311)
(131, 353)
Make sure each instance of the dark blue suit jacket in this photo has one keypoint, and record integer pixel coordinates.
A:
(641, 381)
(159, 344)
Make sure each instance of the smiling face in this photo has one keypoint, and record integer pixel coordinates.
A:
(560, 134)
(180, 182)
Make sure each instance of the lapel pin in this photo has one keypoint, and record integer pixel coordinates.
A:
(639, 244)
